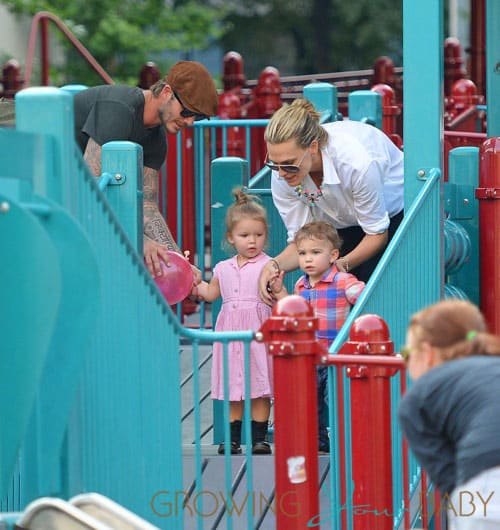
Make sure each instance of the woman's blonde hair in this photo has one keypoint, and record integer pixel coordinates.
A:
(297, 121)
(245, 206)
(456, 327)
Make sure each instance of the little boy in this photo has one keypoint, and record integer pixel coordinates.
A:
(330, 292)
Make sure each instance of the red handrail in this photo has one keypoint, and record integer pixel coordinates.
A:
(43, 17)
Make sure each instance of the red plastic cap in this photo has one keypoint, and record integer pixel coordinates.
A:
(369, 328)
(293, 306)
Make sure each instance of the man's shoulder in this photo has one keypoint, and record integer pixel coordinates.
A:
(118, 93)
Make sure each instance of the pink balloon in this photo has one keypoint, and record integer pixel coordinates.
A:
(176, 280)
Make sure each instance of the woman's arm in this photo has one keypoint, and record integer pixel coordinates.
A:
(286, 261)
(369, 246)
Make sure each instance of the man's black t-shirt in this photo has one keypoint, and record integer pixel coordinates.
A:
(116, 112)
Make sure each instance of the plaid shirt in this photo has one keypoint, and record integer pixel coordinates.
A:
(331, 298)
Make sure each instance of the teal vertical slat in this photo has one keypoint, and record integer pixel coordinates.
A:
(30, 294)
(423, 90)
(323, 96)
(493, 67)
(462, 206)
(227, 173)
(366, 106)
(48, 110)
(123, 160)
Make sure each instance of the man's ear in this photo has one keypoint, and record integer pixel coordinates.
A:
(167, 92)
(314, 147)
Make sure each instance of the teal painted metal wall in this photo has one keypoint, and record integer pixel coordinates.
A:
(119, 429)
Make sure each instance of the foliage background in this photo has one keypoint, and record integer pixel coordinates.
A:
(295, 36)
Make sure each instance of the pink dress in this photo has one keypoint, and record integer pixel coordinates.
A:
(242, 309)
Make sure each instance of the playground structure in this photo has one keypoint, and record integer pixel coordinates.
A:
(112, 439)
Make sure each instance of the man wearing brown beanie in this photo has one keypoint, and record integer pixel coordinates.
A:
(118, 112)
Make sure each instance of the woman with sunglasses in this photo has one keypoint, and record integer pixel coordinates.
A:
(119, 112)
(450, 415)
(346, 173)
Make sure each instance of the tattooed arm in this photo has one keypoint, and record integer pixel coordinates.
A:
(92, 156)
(157, 235)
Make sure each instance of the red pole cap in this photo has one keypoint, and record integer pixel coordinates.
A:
(233, 75)
(291, 330)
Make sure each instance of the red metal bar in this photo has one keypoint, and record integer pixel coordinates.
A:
(489, 237)
(80, 48)
(478, 44)
(342, 448)
(44, 41)
(371, 422)
(290, 333)
(423, 501)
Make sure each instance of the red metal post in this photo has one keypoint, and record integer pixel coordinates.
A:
(266, 99)
(371, 425)
(290, 333)
(149, 74)
(44, 44)
(390, 111)
(478, 44)
(233, 76)
(230, 109)
(489, 235)
(12, 80)
(453, 63)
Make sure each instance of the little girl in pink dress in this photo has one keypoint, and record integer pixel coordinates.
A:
(236, 281)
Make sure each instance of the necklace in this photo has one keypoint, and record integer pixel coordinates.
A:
(310, 197)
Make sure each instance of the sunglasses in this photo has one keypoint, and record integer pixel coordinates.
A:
(286, 168)
(186, 113)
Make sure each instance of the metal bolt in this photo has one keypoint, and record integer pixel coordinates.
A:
(118, 177)
(324, 358)
(4, 207)
(295, 323)
(421, 173)
(310, 324)
(258, 336)
(271, 347)
(466, 202)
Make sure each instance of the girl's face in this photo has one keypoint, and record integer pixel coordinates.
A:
(248, 237)
(316, 257)
(279, 156)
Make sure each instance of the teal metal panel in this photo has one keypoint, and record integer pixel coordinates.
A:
(124, 433)
(462, 207)
(423, 91)
(493, 67)
(124, 160)
(401, 285)
(324, 98)
(227, 174)
(47, 110)
(78, 313)
(30, 279)
(26, 161)
(366, 106)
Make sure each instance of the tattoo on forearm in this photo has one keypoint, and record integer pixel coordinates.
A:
(92, 157)
(155, 226)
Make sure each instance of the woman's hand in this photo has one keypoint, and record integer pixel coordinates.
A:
(268, 273)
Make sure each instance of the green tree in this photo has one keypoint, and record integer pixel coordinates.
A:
(314, 36)
(123, 34)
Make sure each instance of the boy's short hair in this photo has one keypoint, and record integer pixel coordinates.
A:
(319, 230)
